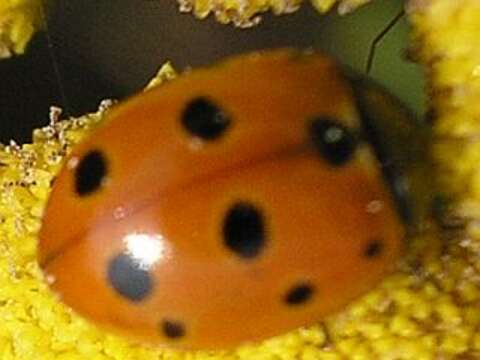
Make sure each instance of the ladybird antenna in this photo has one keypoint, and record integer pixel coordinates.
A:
(379, 38)
(54, 59)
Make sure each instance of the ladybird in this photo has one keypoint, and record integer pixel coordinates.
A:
(236, 203)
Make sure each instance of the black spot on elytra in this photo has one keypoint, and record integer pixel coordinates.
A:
(90, 173)
(335, 143)
(205, 120)
(172, 329)
(129, 279)
(299, 294)
(243, 230)
(373, 249)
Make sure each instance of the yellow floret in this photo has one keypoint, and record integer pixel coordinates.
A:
(245, 13)
(18, 21)
(447, 37)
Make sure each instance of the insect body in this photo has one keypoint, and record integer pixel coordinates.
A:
(235, 203)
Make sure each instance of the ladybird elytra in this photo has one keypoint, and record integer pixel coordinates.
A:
(235, 203)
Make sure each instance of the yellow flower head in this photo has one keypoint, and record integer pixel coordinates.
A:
(18, 21)
(245, 13)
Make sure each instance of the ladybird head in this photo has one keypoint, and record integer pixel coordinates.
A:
(401, 144)
(233, 204)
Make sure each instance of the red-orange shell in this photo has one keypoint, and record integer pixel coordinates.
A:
(328, 232)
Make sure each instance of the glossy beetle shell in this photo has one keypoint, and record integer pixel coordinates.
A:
(230, 205)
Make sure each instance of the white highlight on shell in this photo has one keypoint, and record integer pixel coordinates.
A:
(73, 162)
(146, 249)
(375, 206)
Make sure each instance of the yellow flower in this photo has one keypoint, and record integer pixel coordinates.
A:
(447, 42)
(245, 13)
(18, 21)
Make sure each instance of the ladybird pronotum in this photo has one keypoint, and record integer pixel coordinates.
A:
(236, 202)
